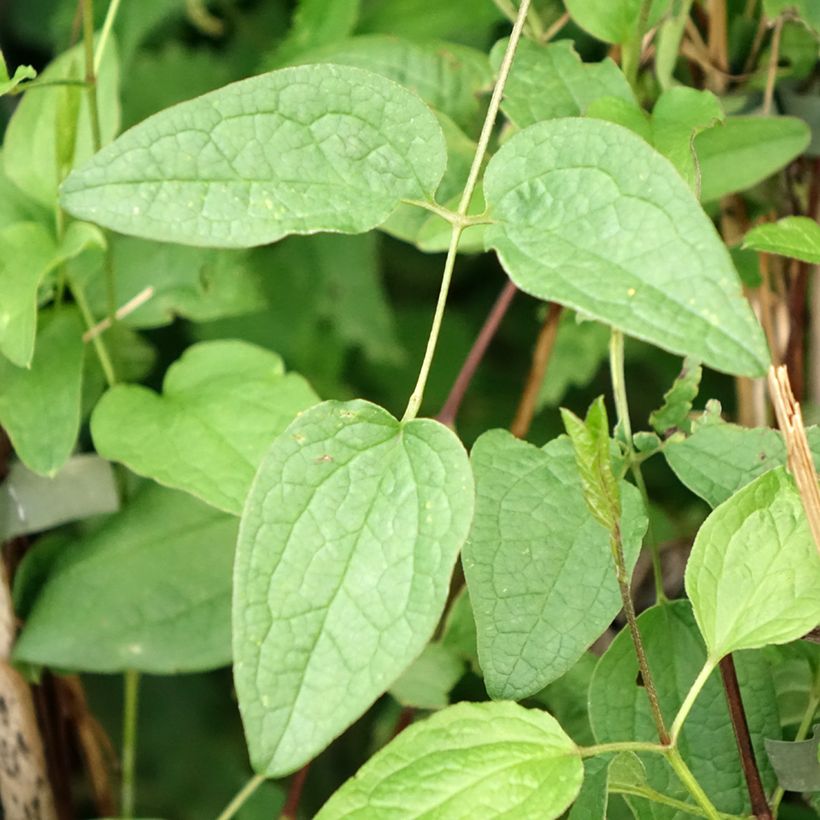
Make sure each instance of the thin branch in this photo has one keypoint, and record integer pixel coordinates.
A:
(757, 794)
(297, 784)
(128, 308)
(449, 412)
(774, 58)
(541, 355)
(555, 28)
(90, 76)
(129, 743)
(241, 797)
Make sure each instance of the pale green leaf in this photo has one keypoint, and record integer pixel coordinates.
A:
(613, 21)
(471, 760)
(677, 401)
(744, 151)
(222, 405)
(427, 682)
(317, 23)
(539, 567)
(21, 73)
(348, 540)
(794, 236)
(807, 10)
(150, 590)
(619, 709)
(38, 135)
(552, 81)
(40, 406)
(450, 78)
(300, 150)
(588, 215)
(15, 206)
(754, 573)
(83, 487)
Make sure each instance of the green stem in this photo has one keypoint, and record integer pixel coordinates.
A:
(631, 59)
(129, 742)
(802, 734)
(648, 793)
(622, 746)
(241, 797)
(105, 33)
(692, 786)
(654, 547)
(461, 222)
(90, 76)
(99, 343)
(691, 697)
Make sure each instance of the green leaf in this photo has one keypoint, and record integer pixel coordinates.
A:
(39, 138)
(591, 445)
(471, 760)
(794, 236)
(427, 682)
(539, 567)
(668, 40)
(718, 459)
(613, 21)
(754, 573)
(796, 673)
(40, 407)
(21, 73)
(744, 151)
(450, 78)
(805, 9)
(619, 709)
(593, 799)
(348, 540)
(149, 590)
(552, 81)
(223, 403)
(588, 215)
(796, 763)
(317, 23)
(459, 632)
(677, 401)
(301, 150)
(85, 486)
(15, 206)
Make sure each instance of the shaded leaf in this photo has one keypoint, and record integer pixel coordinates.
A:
(427, 682)
(613, 21)
(677, 401)
(222, 405)
(316, 23)
(796, 763)
(21, 74)
(565, 196)
(300, 150)
(149, 590)
(473, 759)
(348, 540)
(754, 573)
(794, 236)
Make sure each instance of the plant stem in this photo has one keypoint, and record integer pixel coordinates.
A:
(691, 696)
(241, 797)
(129, 742)
(90, 75)
(693, 787)
(657, 797)
(757, 795)
(291, 808)
(105, 33)
(449, 412)
(631, 60)
(458, 226)
(622, 746)
(99, 343)
(771, 76)
(541, 355)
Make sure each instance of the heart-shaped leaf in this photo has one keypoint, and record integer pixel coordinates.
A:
(348, 540)
(223, 403)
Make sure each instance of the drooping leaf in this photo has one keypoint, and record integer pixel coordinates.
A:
(450, 78)
(797, 763)
(552, 81)
(40, 406)
(317, 23)
(222, 405)
(754, 573)
(613, 21)
(539, 567)
(348, 540)
(300, 150)
(427, 682)
(150, 590)
(38, 138)
(619, 709)
(21, 74)
(677, 401)
(85, 486)
(796, 673)
(471, 760)
(588, 215)
(744, 151)
(27, 254)
(794, 236)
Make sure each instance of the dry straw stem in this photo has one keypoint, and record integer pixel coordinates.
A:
(800, 462)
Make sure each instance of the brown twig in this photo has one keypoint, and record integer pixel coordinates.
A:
(405, 719)
(290, 811)
(718, 43)
(757, 794)
(540, 361)
(449, 412)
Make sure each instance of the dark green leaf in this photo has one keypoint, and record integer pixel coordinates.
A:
(796, 763)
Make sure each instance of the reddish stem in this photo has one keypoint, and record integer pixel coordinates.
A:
(297, 784)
